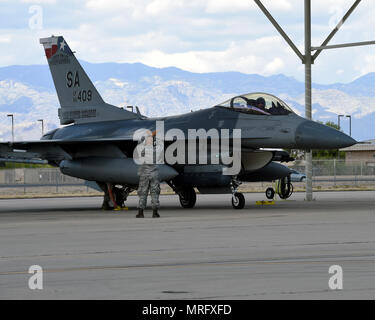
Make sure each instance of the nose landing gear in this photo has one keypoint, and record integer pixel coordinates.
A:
(270, 193)
(284, 188)
(238, 199)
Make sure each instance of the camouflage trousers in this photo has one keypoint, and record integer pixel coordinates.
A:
(149, 182)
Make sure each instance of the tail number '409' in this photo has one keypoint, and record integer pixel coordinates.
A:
(82, 95)
(72, 80)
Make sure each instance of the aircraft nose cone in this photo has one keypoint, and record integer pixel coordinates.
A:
(313, 135)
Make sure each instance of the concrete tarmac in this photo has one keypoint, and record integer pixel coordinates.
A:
(281, 251)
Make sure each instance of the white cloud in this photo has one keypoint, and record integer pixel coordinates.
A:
(340, 72)
(157, 7)
(276, 65)
(212, 35)
(109, 5)
(280, 4)
(233, 58)
(365, 64)
(39, 1)
(239, 6)
(224, 6)
(5, 38)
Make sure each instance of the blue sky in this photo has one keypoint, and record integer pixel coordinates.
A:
(195, 35)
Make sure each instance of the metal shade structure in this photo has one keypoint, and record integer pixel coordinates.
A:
(308, 59)
(12, 116)
(42, 121)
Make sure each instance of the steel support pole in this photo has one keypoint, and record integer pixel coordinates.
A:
(279, 29)
(12, 128)
(308, 100)
(344, 45)
(350, 124)
(42, 121)
(308, 59)
(342, 21)
(12, 116)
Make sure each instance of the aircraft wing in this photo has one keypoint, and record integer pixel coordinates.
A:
(58, 150)
(54, 151)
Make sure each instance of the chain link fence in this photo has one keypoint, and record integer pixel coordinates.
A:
(40, 181)
(326, 174)
(342, 173)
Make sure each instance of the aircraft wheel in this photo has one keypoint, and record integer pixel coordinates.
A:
(106, 204)
(119, 196)
(270, 193)
(238, 200)
(188, 198)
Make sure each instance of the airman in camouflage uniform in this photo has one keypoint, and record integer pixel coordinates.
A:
(149, 177)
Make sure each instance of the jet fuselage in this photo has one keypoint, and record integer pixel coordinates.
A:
(257, 131)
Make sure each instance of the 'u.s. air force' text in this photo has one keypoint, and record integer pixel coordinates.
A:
(196, 309)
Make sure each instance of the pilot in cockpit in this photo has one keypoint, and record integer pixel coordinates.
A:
(261, 105)
(257, 104)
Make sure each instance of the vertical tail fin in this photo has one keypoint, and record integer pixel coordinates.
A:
(78, 97)
(73, 86)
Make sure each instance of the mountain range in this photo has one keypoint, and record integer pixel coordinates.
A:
(28, 93)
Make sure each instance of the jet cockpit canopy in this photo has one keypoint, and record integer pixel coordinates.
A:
(257, 103)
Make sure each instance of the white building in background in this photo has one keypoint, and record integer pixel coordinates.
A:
(363, 152)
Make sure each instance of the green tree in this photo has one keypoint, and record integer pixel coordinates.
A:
(13, 165)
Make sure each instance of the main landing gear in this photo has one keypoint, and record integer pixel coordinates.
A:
(114, 197)
(238, 199)
(187, 195)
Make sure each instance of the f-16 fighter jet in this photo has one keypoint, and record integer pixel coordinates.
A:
(212, 150)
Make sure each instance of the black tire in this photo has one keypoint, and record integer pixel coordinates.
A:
(106, 205)
(188, 198)
(119, 198)
(270, 193)
(238, 201)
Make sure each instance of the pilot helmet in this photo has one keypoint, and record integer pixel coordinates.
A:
(261, 100)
